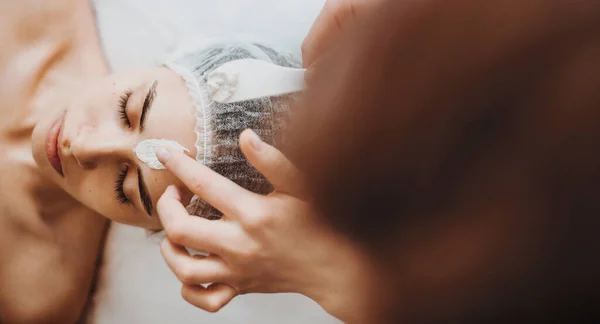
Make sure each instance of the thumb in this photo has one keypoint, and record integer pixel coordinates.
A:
(273, 165)
(335, 17)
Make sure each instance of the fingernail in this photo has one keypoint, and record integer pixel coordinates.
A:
(171, 191)
(163, 155)
(255, 141)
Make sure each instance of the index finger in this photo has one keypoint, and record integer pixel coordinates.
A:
(272, 164)
(213, 188)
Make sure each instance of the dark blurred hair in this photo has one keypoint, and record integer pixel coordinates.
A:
(459, 142)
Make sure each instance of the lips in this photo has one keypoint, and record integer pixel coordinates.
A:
(52, 145)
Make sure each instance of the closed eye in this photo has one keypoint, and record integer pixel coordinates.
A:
(123, 100)
(148, 101)
(119, 190)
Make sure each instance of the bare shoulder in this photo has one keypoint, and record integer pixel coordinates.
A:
(46, 266)
(28, 19)
(46, 44)
(58, 30)
(36, 286)
(50, 9)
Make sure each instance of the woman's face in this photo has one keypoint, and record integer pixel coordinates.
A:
(87, 145)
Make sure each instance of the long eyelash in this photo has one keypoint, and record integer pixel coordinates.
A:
(119, 191)
(123, 108)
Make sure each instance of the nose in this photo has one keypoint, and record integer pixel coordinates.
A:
(93, 145)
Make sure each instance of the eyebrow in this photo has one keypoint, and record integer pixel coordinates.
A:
(144, 195)
(148, 101)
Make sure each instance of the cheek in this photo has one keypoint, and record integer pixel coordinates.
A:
(94, 106)
(159, 181)
(95, 189)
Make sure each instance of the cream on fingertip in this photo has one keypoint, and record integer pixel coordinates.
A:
(147, 151)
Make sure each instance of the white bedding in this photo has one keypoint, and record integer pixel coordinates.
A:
(135, 285)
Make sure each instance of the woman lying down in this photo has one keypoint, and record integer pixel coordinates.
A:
(74, 141)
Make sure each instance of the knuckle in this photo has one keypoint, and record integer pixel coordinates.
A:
(234, 247)
(256, 215)
(340, 5)
(238, 251)
(189, 295)
(333, 7)
(353, 10)
(197, 185)
(177, 233)
(254, 223)
(186, 275)
(258, 221)
(250, 252)
(273, 157)
(242, 284)
(243, 255)
(214, 305)
(338, 10)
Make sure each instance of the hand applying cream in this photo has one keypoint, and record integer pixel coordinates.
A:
(146, 151)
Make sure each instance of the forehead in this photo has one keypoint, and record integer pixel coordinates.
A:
(171, 117)
(172, 113)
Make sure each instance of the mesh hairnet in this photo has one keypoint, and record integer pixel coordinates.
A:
(218, 125)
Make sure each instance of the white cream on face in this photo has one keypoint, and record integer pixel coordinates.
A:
(146, 151)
